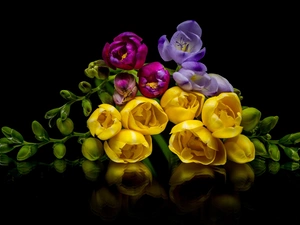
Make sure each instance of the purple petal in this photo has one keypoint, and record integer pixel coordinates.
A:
(162, 48)
(196, 66)
(190, 26)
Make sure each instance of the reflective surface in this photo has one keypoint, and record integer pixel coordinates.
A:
(111, 193)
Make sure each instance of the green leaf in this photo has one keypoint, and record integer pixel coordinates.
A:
(39, 131)
(12, 135)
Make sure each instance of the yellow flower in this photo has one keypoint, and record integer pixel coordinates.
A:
(105, 122)
(121, 175)
(128, 146)
(144, 115)
(193, 143)
(181, 105)
(240, 149)
(222, 115)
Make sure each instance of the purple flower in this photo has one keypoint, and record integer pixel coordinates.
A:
(125, 88)
(190, 80)
(223, 83)
(125, 52)
(185, 44)
(153, 80)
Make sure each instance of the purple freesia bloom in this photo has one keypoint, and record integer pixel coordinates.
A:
(190, 80)
(223, 83)
(185, 44)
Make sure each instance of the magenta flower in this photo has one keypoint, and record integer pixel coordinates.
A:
(125, 88)
(153, 80)
(185, 44)
(125, 52)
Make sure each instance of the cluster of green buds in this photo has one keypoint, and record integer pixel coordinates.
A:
(268, 152)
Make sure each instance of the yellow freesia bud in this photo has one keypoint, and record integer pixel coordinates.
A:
(59, 150)
(250, 118)
(222, 115)
(105, 122)
(181, 105)
(240, 149)
(144, 115)
(92, 148)
(193, 143)
(121, 174)
(65, 126)
(128, 146)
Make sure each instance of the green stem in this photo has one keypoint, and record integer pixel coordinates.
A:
(148, 163)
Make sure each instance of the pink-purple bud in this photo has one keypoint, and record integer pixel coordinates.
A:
(125, 88)
(153, 80)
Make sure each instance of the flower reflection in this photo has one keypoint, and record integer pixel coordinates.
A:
(130, 179)
(106, 203)
(92, 169)
(240, 175)
(191, 184)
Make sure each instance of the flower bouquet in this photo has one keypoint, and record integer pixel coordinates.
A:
(189, 115)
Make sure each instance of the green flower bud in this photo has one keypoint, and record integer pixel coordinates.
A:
(105, 97)
(6, 145)
(91, 169)
(40, 133)
(97, 69)
(259, 166)
(292, 153)
(68, 95)
(26, 152)
(250, 118)
(51, 113)
(13, 135)
(86, 106)
(260, 148)
(59, 150)
(85, 86)
(5, 160)
(267, 124)
(273, 167)
(274, 152)
(291, 166)
(65, 127)
(60, 165)
(290, 139)
(65, 111)
(26, 167)
(92, 149)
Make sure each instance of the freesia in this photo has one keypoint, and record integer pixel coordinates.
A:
(105, 122)
(180, 105)
(128, 146)
(240, 149)
(144, 115)
(222, 115)
(125, 52)
(193, 143)
(153, 79)
(125, 88)
(185, 44)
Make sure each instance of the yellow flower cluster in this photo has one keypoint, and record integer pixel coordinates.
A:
(205, 130)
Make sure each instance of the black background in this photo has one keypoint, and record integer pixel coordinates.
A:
(45, 48)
